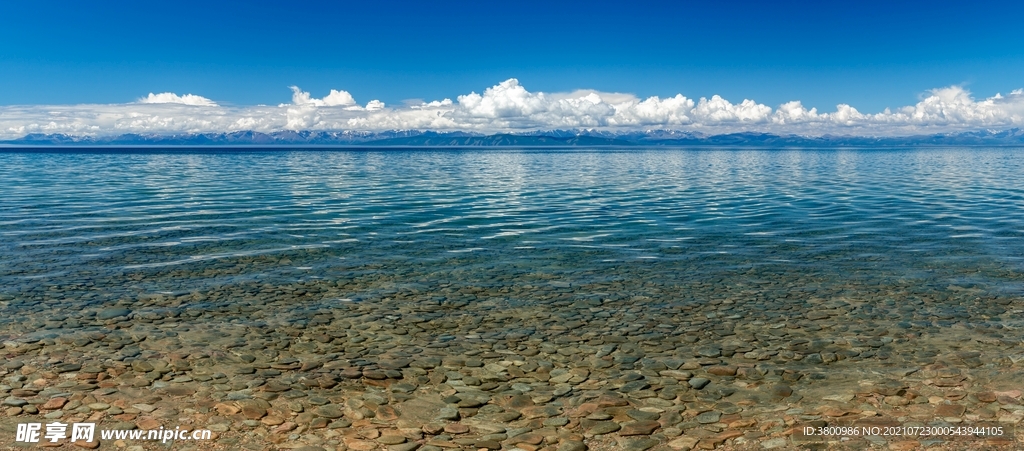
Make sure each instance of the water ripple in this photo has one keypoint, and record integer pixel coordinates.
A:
(183, 221)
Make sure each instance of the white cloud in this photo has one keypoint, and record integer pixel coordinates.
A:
(607, 97)
(718, 111)
(433, 104)
(334, 98)
(170, 97)
(508, 106)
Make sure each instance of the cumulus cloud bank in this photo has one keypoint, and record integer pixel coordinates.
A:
(170, 97)
(510, 107)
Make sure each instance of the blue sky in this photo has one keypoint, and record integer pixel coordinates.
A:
(866, 54)
(870, 55)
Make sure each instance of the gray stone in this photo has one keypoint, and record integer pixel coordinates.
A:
(111, 313)
(643, 427)
(633, 386)
(637, 444)
(572, 445)
(67, 367)
(448, 413)
(699, 382)
(603, 427)
(16, 402)
(642, 415)
(557, 421)
(330, 411)
(709, 417)
(487, 444)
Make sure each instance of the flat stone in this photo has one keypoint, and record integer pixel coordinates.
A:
(949, 410)
(709, 352)
(530, 413)
(15, 402)
(456, 428)
(351, 373)
(142, 366)
(603, 427)
(1009, 393)
(54, 403)
(556, 421)
(148, 424)
(637, 444)
(572, 445)
(699, 382)
(276, 387)
(395, 364)
(111, 313)
(518, 402)
(390, 439)
(471, 403)
(67, 367)
(684, 443)
(642, 415)
(709, 417)
(330, 411)
(226, 409)
(722, 370)
(253, 412)
(361, 445)
(678, 375)
(487, 444)
(425, 363)
(272, 420)
(149, 408)
(611, 401)
(433, 428)
(448, 413)
(530, 439)
(633, 386)
(639, 428)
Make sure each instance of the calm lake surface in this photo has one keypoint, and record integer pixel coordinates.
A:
(725, 293)
(938, 229)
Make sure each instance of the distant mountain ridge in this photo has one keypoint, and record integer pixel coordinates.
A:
(550, 138)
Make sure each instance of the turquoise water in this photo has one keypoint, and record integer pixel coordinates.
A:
(941, 230)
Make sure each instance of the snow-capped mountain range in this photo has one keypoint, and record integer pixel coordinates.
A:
(548, 138)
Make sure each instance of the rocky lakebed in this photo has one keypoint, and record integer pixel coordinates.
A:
(451, 365)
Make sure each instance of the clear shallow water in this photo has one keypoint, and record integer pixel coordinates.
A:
(941, 229)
